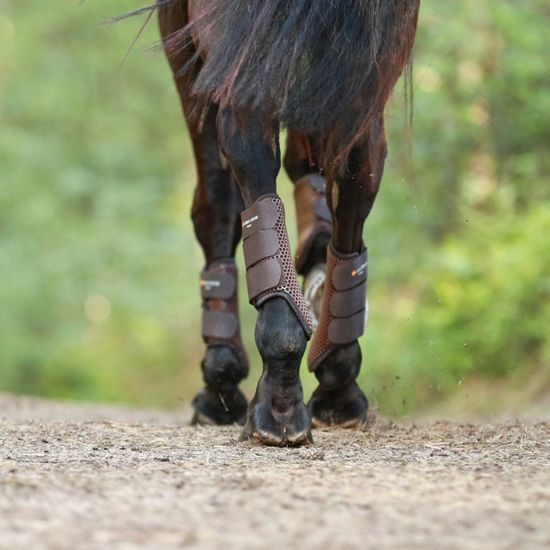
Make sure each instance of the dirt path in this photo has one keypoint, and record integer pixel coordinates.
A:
(98, 477)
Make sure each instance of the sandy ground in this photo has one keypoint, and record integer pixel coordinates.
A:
(101, 477)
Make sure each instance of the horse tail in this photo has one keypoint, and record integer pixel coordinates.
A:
(319, 67)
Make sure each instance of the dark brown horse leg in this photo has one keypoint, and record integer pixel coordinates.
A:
(335, 355)
(216, 217)
(314, 219)
(217, 206)
(277, 414)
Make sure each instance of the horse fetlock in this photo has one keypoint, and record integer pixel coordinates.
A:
(222, 368)
(340, 368)
(338, 400)
(280, 337)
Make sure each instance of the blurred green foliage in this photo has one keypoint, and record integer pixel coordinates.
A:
(98, 262)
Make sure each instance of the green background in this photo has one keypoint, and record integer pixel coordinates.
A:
(99, 265)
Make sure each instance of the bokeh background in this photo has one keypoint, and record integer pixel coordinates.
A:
(98, 262)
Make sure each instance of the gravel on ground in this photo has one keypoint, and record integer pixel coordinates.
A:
(75, 476)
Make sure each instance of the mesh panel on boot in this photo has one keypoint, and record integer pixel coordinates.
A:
(288, 286)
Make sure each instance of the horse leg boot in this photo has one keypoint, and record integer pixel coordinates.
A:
(277, 414)
(216, 218)
(335, 355)
(313, 217)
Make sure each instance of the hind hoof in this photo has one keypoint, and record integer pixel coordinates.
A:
(289, 429)
(213, 408)
(343, 408)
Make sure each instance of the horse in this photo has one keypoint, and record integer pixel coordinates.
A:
(324, 71)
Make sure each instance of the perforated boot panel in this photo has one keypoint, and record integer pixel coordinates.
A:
(270, 269)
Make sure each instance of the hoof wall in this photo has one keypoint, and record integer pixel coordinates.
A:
(291, 429)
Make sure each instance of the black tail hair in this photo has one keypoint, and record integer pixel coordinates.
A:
(320, 67)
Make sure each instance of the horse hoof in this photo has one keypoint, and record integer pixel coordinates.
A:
(342, 408)
(213, 408)
(289, 429)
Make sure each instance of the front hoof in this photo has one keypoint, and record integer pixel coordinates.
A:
(343, 408)
(289, 429)
(213, 408)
